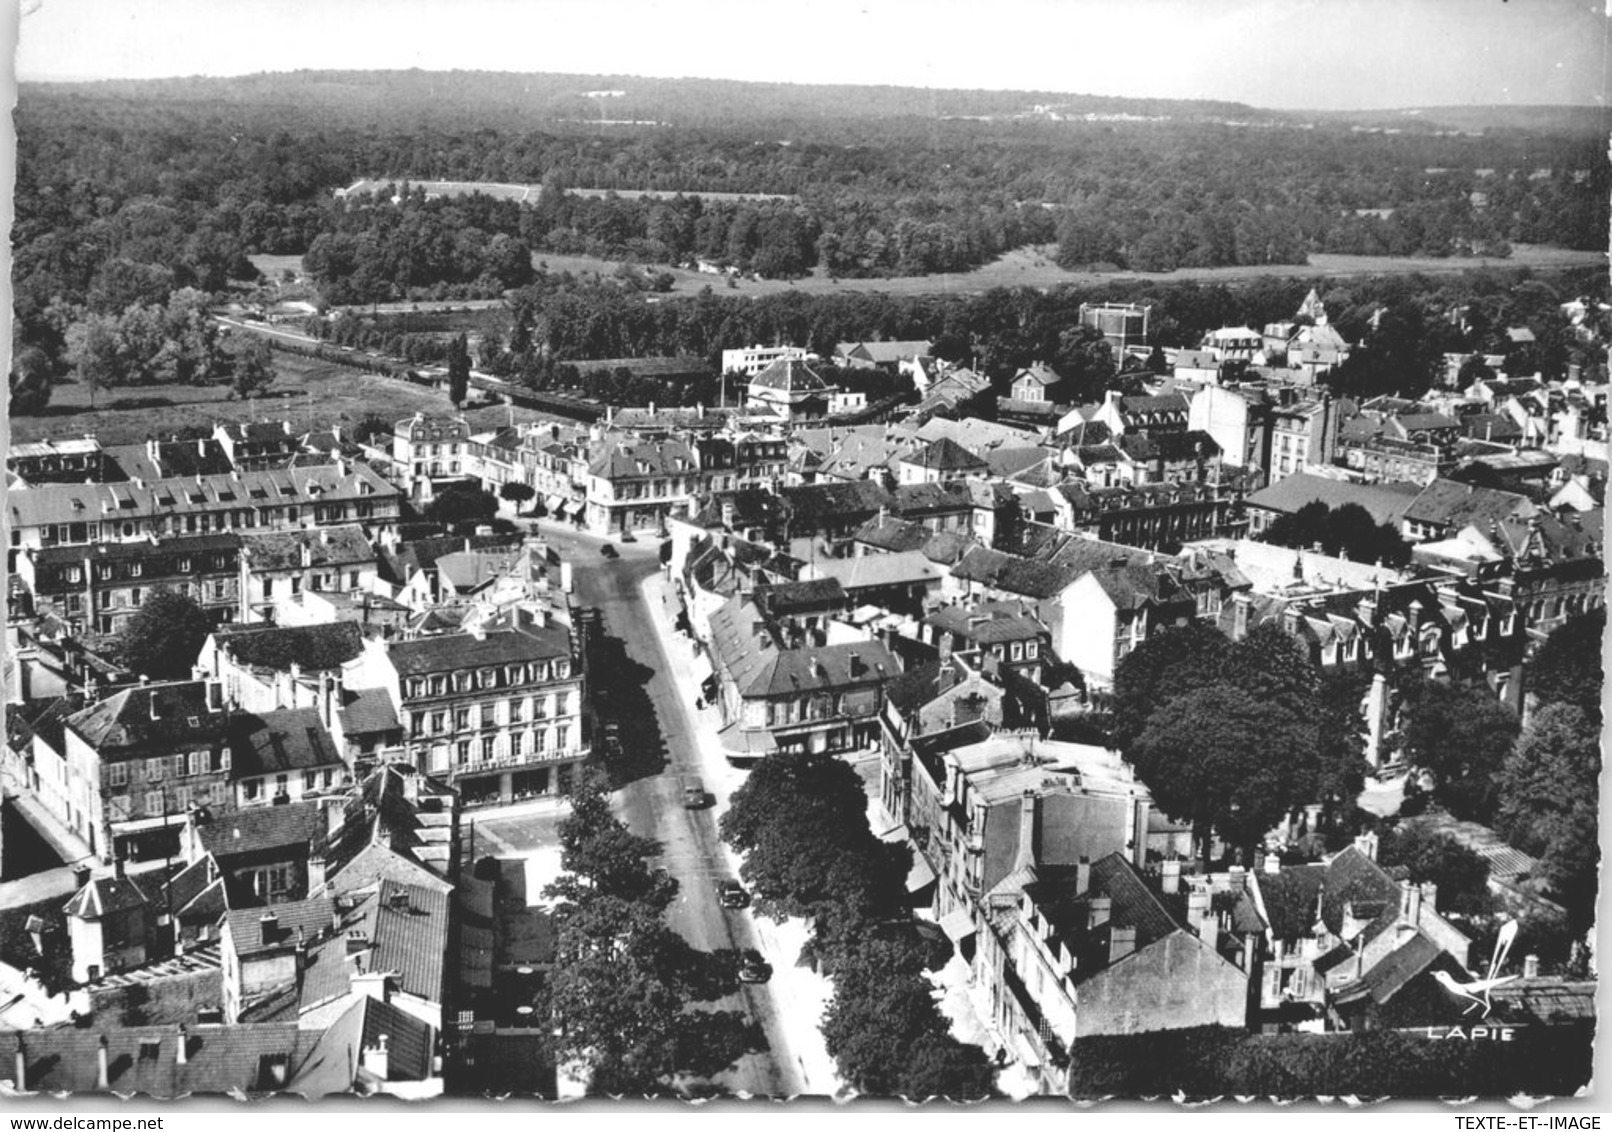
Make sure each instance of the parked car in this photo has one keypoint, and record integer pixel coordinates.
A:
(628, 536)
(753, 968)
(732, 894)
(693, 793)
(609, 551)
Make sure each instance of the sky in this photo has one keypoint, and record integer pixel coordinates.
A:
(1277, 54)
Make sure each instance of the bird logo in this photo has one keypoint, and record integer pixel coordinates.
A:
(1478, 991)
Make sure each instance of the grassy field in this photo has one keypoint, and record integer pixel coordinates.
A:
(1033, 267)
(274, 266)
(309, 393)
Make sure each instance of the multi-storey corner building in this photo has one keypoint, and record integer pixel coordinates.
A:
(496, 711)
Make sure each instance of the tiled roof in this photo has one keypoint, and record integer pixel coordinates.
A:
(867, 571)
(313, 648)
(1011, 574)
(407, 929)
(144, 1059)
(327, 546)
(173, 458)
(785, 597)
(470, 570)
(987, 623)
(889, 533)
(838, 500)
(252, 931)
(280, 741)
(124, 721)
(265, 827)
(368, 711)
(945, 455)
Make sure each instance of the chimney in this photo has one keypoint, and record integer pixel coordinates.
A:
(1099, 910)
(1027, 806)
(201, 450)
(316, 874)
(1530, 970)
(181, 1054)
(1082, 876)
(376, 1058)
(1241, 604)
(20, 1068)
(267, 924)
(1429, 896)
(1366, 845)
(1410, 902)
(1172, 878)
(117, 867)
(1273, 864)
(1367, 611)
(1121, 942)
(307, 555)
(81, 876)
(371, 984)
(102, 1076)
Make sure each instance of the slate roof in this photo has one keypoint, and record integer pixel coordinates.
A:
(1387, 503)
(945, 455)
(452, 651)
(617, 457)
(174, 458)
(893, 534)
(280, 741)
(1195, 444)
(1454, 505)
(1012, 574)
(835, 500)
(988, 623)
(790, 375)
(313, 648)
(262, 828)
(105, 896)
(1133, 905)
(745, 645)
(782, 598)
(122, 723)
(471, 570)
(868, 571)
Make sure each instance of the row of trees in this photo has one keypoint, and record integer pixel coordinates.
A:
(622, 978)
(1347, 531)
(800, 820)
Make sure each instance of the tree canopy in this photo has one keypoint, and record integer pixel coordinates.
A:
(1461, 735)
(1550, 802)
(1461, 875)
(1346, 531)
(1568, 667)
(165, 635)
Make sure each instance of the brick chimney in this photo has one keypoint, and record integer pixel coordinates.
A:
(267, 925)
(1410, 902)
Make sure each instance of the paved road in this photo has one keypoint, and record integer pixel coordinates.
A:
(656, 726)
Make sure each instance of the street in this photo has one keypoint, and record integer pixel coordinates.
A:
(662, 743)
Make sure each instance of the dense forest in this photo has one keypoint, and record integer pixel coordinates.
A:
(130, 192)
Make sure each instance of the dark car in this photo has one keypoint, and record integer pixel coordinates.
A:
(732, 894)
(753, 968)
(609, 551)
(628, 536)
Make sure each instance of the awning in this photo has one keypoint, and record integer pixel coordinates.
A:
(555, 503)
(142, 825)
(920, 874)
(751, 744)
(958, 924)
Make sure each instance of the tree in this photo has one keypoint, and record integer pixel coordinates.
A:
(1461, 875)
(1550, 791)
(462, 503)
(30, 381)
(1460, 735)
(165, 635)
(458, 370)
(1347, 531)
(517, 493)
(92, 351)
(1220, 758)
(252, 369)
(1568, 667)
(1170, 662)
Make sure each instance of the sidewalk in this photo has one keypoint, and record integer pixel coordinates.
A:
(801, 994)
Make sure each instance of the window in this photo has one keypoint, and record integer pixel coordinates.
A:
(310, 780)
(464, 752)
(1031, 648)
(461, 719)
(517, 710)
(154, 803)
(117, 774)
(516, 742)
(154, 769)
(281, 785)
(182, 797)
(439, 722)
(438, 685)
(487, 749)
(1018, 650)
(184, 565)
(539, 739)
(461, 681)
(562, 669)
(136, 569)
(296, 584)
(488, 678)
(562, 737)
(105, 572)
(416, 686)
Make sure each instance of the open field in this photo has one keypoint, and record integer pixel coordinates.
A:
(310, 393)
(274, 267)
(1033, 267)
(530, 193)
